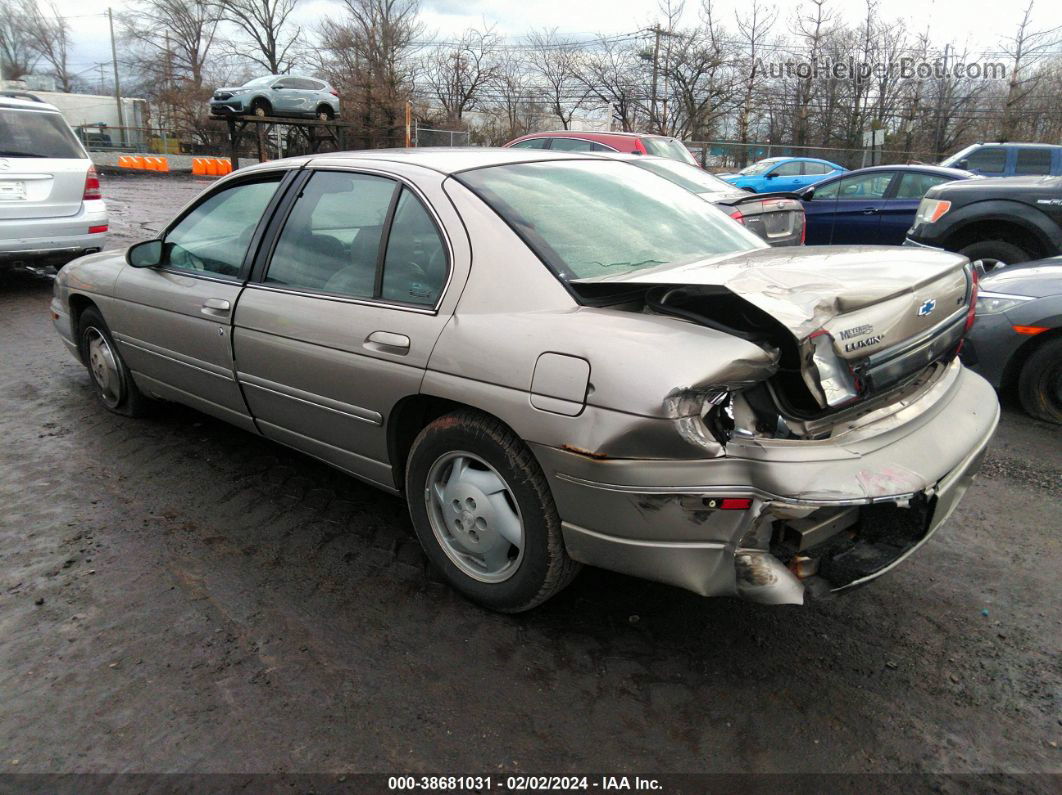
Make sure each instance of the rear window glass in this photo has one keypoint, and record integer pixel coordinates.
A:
(685, 176)
(602, 218)
(667, 147)
(1033, 161)
(27, 133)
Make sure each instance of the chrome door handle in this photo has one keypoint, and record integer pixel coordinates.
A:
(216, 306)
(388, 341)
(870, 211)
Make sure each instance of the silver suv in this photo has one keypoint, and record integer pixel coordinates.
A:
(51, 208)
(278, 95)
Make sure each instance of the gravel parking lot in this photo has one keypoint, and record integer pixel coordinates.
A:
(178, 595)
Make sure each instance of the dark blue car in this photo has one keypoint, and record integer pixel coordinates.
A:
(869, 206)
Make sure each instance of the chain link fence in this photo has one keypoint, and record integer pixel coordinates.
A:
(729, 155)
(430, 136)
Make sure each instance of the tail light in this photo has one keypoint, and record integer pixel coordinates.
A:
(639, 147)
(333, 92)
(971, 312)
(803, 228)
(95, 230)
(737, 216)
(92, 185)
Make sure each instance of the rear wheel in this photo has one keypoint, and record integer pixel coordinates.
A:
(325, 113)
(111, 380)
(1040, 382)
(484, 515)
(261, 108)
(995, 253)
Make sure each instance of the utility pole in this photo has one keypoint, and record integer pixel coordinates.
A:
(656, 60)
(409, 122)
(117, 84)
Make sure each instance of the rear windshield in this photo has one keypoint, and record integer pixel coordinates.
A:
(692, 178)
(603, 218)
(31, 133)
(668, 147)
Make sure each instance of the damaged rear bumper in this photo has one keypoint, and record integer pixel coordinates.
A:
(773, 521)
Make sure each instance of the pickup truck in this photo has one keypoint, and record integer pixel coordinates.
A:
(1000, 221)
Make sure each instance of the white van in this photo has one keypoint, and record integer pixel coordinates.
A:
(51, 208)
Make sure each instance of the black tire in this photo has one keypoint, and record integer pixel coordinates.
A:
(122, 397)
(261, 107)
(325, 113)
(995, 253)
(1040, 382)
(543, 568)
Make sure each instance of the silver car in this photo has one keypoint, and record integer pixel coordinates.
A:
(51, 209)
(557, 359)
(278, 95)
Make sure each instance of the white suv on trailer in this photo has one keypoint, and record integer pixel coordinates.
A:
(51, 209)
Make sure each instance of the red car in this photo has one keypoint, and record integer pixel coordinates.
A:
(631, 143)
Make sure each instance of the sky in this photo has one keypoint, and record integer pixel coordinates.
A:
(978, 24)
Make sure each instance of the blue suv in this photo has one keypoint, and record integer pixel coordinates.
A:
(1009, 160)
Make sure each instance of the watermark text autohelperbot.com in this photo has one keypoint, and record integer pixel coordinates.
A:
(904, 68)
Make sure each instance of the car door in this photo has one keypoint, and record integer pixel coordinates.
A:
(988, 161)
(1032, 160)
(783, 177)
(901, 203)
(173, 322)
(285, 96)
(339, 322)
(850, 208)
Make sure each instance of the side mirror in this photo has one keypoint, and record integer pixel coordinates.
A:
(808, 193)
(772, 175)
(964, 163)
(145, 255)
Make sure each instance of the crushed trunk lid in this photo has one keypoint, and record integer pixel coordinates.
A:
(862, 319)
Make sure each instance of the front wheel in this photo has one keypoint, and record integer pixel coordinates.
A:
(483, 513)
(261, 108)
(111, 380)
(995, 253)
(1040, 382)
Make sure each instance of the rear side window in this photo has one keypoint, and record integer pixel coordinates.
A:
(668, 147)
(988, 160)
(816, 168)
(531, 143)
(28, 133)
(1033, 161)
(331, 241)
(571, 145)
(914, 185)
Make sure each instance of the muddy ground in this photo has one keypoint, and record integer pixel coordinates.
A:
(177, 595)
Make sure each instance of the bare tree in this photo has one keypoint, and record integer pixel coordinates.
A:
(700, 87)
(370, 55)
(614, 73)
(174, 38)
(1026, 47)
(753, 28)
(811, 30)
(49, 36)
(516, 100)
(266, 24)
(17, 53)
(458, 74)
(552, 60)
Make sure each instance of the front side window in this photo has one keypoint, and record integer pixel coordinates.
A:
(332, 240)
(988, 159)
(213, 238)
(790, 169)
(861, 187)
(603, 218)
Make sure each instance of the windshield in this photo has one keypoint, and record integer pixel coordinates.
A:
(33, 133)
(692, 178)
(955, 158)
(669, 148)
(759, 168)
(259, 81)
(597, 218)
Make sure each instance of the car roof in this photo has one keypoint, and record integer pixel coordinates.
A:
(445, 160)
(588, 134)
(27, 104)
(958, 173)
(1018, 144)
